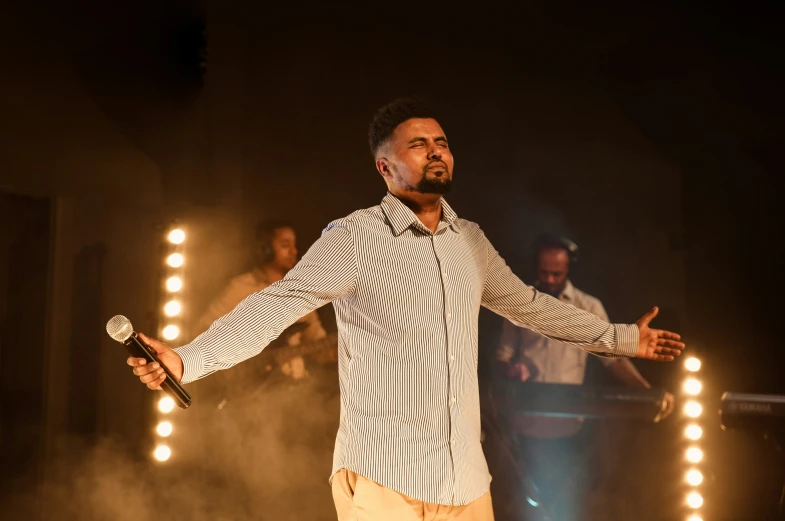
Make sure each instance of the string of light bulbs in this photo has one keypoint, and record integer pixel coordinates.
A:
(171, 311)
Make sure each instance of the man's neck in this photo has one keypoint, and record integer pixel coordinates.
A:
(427, 207)
(271, 273)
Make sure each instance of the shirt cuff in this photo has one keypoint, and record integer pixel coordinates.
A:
(193, 363)
(627, 339)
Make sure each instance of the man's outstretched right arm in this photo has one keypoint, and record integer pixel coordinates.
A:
(326, 272)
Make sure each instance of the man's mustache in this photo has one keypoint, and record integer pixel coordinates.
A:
(436, 163)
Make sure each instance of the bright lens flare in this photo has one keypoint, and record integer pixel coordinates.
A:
(162, 453)
(692, 386)
(175, 260)
(172, 308)
(695, 500)
(692, 364)
(694, 477)
(693, 409)
(694, 454)
(176, 236)
(695, 518)
(171, 332)
(693, 432)
(165, 404)
(164, 429)
(174, 284)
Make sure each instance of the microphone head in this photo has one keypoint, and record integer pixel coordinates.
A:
(119, 328)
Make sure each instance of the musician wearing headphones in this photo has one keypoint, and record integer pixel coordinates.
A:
(553, 454)
(274, 255)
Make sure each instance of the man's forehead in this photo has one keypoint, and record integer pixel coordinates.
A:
(553, 255)
(425, 127)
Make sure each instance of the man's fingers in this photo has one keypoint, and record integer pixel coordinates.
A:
(133, 362)
(146, 369)
(156, 384)
(152, 377)
(668, 334)
(670, 343)
(669, 351)
(648, 317)
(157, 345)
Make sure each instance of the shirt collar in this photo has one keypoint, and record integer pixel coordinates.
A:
(568, 292)
(401, 217)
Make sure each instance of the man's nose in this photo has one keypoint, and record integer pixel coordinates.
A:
(434, 153)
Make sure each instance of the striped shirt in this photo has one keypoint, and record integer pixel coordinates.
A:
(407, 303)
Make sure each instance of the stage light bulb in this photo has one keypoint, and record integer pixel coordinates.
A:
(164, 429)
(692, 386)
(692, 364)
(693, 409)
(695, 500)
(694, 455)
(174, 284)
(171, 332)
(694, 477)
(176, 236)
(165, 404)
(175, 260)
(693, 432)
(172, 308)
(162, 453)
(695, 518)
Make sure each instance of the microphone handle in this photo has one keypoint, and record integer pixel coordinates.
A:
(172, 387)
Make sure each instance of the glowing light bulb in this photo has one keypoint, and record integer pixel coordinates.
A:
(172, 308)
(174, 284)
(692, 364)
(176, 236)
(164, 429)
(695, 500)
(695, 518)
(694, 454)
(162, 453)
(692, 386)
(694, 477)
(165, 404)
(175, 260)
(693, 409)
(171, 332)
(693, 432)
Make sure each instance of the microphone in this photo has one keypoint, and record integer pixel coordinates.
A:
(120, 329)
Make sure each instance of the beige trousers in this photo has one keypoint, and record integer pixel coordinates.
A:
(359, 499)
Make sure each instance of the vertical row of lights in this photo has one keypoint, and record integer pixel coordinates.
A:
(693, 432)
(171, 310)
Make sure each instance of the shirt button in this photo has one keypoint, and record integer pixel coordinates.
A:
(452, 357)
(449, 316)
(454, 399)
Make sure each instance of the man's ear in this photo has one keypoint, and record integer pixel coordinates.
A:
(383, 167)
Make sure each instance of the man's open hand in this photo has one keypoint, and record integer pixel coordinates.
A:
(657, 344)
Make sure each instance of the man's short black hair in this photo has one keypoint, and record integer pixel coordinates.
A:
(265, 230)
(393, 114)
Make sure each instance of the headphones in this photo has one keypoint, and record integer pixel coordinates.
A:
(556, 241)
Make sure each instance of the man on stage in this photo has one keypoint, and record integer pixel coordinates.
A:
(407, 279)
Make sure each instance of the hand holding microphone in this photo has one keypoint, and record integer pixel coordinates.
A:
(156, 364)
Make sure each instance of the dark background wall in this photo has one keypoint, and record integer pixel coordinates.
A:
(650, 135)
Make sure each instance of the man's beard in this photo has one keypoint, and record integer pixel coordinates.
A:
(435, 184)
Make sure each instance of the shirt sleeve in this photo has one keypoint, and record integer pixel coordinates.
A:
(596, 307)
(326, 272)
(504, 293)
